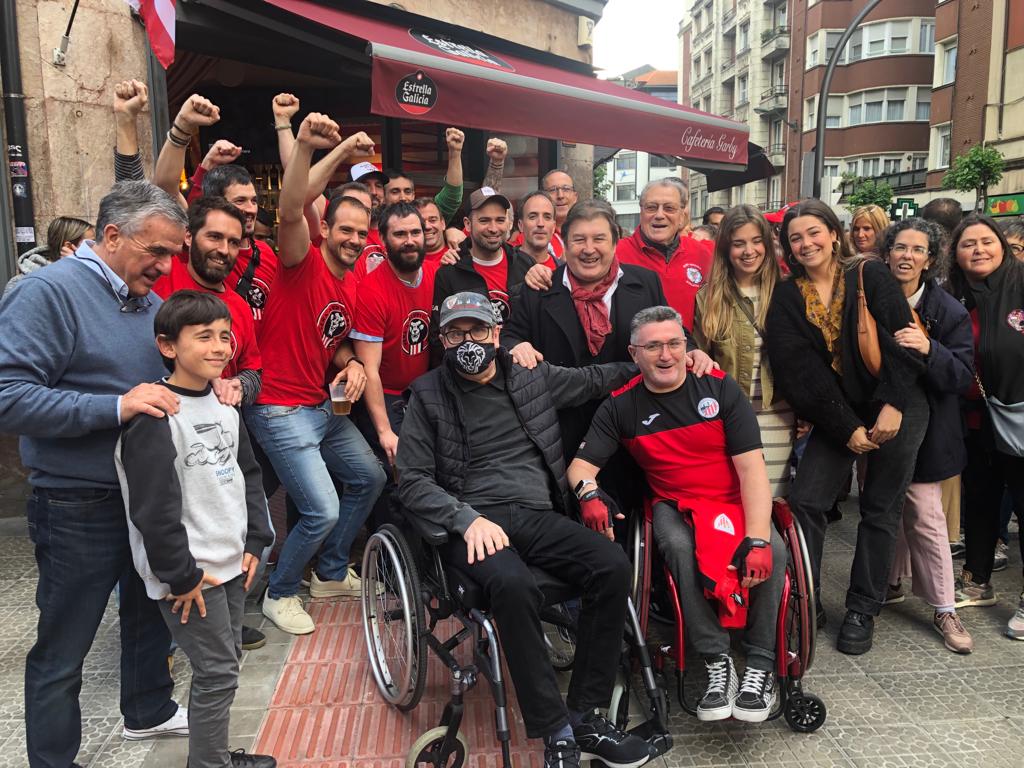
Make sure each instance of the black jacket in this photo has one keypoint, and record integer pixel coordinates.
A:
(802, 365)
(949, 373)
(433, 454)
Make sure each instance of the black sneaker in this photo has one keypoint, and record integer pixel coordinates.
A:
(242, 759)
(756, 697)
(716, 703)
(856, 633)
(561, 754)
(252, 639)
(599, 739)
(957, 550)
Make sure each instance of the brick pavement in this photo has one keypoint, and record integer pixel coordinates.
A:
(909, 702)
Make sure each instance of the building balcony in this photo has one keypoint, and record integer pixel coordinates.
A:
(902, 182)
(742, 58)
(728, 70)
(774, 42)
(704, 35)
(774, 100)
(702, 83)
(728, 20)
(776, 155)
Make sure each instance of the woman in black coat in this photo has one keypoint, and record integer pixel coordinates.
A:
(811, 335)
(913, 250)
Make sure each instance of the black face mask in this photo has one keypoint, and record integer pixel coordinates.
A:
(470, 357)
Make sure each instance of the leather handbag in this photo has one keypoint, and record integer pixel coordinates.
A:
(867, 329)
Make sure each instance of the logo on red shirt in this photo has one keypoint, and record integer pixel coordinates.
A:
(694, 275)
(414, 332)
(257, 296)
(416, 93)
(374, 257)
(708, 408)
(500, 306)
(334, 324)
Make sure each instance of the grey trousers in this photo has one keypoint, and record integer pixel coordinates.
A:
(703, 631)
(213, 646)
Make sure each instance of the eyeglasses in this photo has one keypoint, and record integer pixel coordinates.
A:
(669, 208)
(655, 347)
(476, 333)
(917, 250)
(1017, 249)
(565, 189)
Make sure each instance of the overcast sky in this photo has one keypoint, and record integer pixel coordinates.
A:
(636, 32)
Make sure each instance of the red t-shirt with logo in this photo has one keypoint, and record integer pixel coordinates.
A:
(245, 354)
(397, 315)
(496, 278)
(309, 313)
(373, 255)
(262, 279)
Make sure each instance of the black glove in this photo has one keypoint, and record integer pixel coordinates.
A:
(597, 509)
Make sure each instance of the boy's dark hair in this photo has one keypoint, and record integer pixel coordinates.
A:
(216, 182)
(944, 211)
(184, 308)
(201, 207)
(710, 212)
(397, 211)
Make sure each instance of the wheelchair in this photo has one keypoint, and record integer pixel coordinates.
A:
(408, 592)
(797, 621)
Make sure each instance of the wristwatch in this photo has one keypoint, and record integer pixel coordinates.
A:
(578, 490)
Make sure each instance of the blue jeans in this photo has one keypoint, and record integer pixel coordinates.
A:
(307, 446)
(81, 547)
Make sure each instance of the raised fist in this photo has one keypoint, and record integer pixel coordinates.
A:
(221, 153)
(285, 105)
(496, 151)
(197, 112)
(454, 138)
(360, 145)
(319, 131)
(130, 97)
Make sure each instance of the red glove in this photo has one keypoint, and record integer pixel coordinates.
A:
(753, 559)
(597, 509)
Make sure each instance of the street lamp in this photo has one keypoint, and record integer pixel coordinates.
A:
(819, 137)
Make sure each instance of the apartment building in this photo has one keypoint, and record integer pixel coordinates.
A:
(734, 61)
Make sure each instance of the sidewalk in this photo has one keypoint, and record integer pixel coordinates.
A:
(311, 700)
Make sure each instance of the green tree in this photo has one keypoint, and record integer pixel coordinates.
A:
(868, 192)
(601, 183)
(975, 171)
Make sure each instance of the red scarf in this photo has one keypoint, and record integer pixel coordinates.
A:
(591, 309)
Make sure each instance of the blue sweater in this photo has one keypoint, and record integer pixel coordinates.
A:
(67, 352)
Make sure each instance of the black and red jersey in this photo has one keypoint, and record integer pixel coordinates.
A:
(683, 440)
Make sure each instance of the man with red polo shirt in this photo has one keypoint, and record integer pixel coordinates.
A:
(682, 262)
(537, 229)
(309, 318)
(392, 323)
(698, 443)
(212, 239)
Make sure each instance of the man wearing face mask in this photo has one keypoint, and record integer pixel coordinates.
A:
(491, 472)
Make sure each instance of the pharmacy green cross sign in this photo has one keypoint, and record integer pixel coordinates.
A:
(903, 208)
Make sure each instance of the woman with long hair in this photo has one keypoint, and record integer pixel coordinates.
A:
(63, 236)
(867, 227)
(913, 250)
(729, 326)
(989, 282)
(812, 339)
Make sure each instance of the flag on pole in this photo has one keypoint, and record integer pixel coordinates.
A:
(158, 16)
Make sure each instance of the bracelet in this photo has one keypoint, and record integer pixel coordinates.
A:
(181, 130)
(497, 167)
(354, 359)
(176, 141)
(287, 127)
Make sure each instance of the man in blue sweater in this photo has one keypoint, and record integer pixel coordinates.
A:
(76, 361)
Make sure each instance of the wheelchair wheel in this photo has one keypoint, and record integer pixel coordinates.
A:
(393, 618)
(805, 614)
(618, 707)
(636, 549)
(560, 639)
(805, 712)
(426, 750)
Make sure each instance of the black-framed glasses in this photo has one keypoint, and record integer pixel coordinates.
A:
(477, 333)
(1017, 249)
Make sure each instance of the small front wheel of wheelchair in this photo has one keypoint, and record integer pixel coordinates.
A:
(805, 712)
(426, 750)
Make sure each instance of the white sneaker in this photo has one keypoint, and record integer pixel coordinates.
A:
(288, 614)
(176, 725)
(350, 586)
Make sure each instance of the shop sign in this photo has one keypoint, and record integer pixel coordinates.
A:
(416, 93)
(460, 50)
(903, 208)
(1005, 205)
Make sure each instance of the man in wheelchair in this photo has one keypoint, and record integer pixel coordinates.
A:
(481, 456)
(699, 444)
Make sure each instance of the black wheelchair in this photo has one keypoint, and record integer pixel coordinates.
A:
(408, 592)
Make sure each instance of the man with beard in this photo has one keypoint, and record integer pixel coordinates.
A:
(392, 323)
(487, 264)
(212, 240)
(537, 228)
(309, 318)
(255, 269)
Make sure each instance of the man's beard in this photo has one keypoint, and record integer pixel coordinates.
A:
(342, 256)
(400, 260)
(203, 268)
(478, 243)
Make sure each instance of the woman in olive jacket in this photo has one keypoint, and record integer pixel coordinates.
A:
(811, 335)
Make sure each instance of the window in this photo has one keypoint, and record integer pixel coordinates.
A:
(625, 191)
(855, 103)
(625, 161)
(779, 72)
(852, 167)
(895, 103)
(854, 47)
(926, 43)
(707, 60)
(942, 143)
(948, 63)
(741, 90)
(891, 165)
(831, 41)
(899, 36)
(831, 169)
(659, 162)
(873, 106)
(775, 134)
(707, 104)
(743, 38)
(812, 51)
(811, 113)
(696, 68)
(924, 105)
(775, 189)
(834, 116)
(869, 166)
(876, 39)
(628, 221)
(919, 162)
(883, 38)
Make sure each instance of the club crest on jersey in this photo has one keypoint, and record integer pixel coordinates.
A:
(334, 324)
(257, 297)
(500, 306)
(724, 524)
(471, 357)
(414, 332)
(694, 275)
(374, 256)
(708, 407)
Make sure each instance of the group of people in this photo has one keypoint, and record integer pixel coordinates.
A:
(524, 376)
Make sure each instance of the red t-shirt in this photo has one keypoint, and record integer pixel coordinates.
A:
(496, 278)
(262, 279)
(396, 315)
(435, 256)
(557, 245)
(245, 354)
(309, 313)
(373, 255)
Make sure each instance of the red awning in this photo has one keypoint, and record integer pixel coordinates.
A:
(422, 75)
